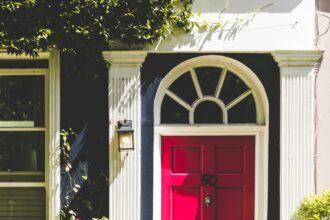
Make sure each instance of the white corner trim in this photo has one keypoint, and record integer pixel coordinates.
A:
(133, 58)
(297, 57)
(53, 174)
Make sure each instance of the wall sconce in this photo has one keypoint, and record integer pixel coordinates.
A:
(125, 135)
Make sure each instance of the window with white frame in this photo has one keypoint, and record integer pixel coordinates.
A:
(23, 141)
(208, 95)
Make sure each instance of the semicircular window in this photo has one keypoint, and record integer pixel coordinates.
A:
(213, 116)
(208, 95)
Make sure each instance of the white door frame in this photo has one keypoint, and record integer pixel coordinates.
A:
(261, 159)
(259, 130)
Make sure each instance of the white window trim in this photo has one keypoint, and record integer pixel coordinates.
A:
(51, 129)
(26, 126)
(24, 72)
(260, 131)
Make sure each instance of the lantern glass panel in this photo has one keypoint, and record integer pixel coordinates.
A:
(125, 140)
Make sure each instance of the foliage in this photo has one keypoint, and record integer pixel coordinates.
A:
(87, 26)
(316, 207)
(79, 205)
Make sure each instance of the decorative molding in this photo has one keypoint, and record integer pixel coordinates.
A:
(297, 57)
(133, 58)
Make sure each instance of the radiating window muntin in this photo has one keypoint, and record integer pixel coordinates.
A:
(229, 95)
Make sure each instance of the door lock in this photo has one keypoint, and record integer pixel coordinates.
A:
(207, 200)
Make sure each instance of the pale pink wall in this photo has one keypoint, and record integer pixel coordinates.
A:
(323, 98)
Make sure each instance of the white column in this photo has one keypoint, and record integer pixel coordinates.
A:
(53, 173)
(124, 103)
(297, 72)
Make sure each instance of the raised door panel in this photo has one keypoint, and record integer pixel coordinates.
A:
(181, 173)
(186, 203)
(229, 203)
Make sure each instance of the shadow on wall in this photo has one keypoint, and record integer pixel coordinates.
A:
(84, 108)
(239, 6)
(227, 31)
(117, 159)
(212, 25)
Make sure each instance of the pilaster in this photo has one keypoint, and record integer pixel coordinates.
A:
(297, 125)
(124, 103)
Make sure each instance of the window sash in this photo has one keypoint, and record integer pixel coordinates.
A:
(26, 126)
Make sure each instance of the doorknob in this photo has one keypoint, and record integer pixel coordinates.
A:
(207, 200)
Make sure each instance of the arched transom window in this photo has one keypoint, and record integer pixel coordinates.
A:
(210, 90)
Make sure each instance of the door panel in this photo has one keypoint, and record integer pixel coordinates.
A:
(186, 159)
(186, 198)
(229, 203)
(228, 159)
(207, 178)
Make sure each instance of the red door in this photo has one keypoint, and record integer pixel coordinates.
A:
(208, 178)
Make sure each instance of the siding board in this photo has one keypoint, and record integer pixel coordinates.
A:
(22, 203)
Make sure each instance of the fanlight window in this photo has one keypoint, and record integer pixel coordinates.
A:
(208, 95)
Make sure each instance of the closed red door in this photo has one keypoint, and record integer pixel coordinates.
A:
(208, 178)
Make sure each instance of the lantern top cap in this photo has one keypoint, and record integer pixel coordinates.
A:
(125, 126)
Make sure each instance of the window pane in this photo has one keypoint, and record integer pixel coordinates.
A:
(208, 113)
(243, 112)
(184, 88)
(208, 78)
(173, 113)
(22, 151)
(22, 99)
(232, 88)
